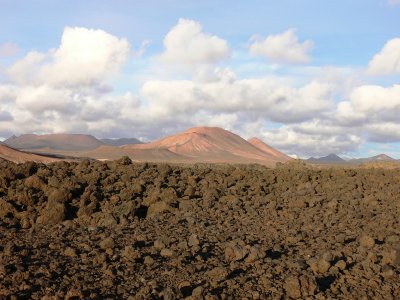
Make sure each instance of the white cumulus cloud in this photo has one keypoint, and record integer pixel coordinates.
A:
(187, 45)
(387, 61)
(384, 132)
(372, 111)
(370, 103)
(293, 140)
(44, 98)
(65, 89)
(283, 48)
(85, 57)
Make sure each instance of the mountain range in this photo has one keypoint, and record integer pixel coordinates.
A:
(376, 158)
(329, 159)
(198, 144)
(335, 159)
(64, 142)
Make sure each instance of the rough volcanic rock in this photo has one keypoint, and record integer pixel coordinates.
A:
(123, 230)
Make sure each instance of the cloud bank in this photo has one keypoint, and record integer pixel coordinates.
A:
(71, 88)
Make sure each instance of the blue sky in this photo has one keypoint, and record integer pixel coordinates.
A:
(227, 63)
(347, 32)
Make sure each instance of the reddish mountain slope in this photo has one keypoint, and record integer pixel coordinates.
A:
(19, 156)
(213, 144)
(268, 149)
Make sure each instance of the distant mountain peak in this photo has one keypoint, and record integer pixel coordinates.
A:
(204, 129)
(331, 158)
(121, 141)
(333, 155)
(214, 144)
(11, 138)
(382, 157)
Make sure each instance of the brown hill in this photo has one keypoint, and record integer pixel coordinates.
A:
(377, 158)
(121, 141)
(17, 156)
(213, 144)
(63, 142)
(268, 149)
(329, 159)
(198, 144)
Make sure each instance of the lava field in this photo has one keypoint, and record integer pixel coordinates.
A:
(123, 230)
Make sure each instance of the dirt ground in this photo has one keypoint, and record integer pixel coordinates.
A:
(123, 230)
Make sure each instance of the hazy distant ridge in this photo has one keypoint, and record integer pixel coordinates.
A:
(121, 141)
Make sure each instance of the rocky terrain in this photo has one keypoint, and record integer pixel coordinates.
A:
(123, 230)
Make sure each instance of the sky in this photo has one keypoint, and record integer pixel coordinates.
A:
(309, 77)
